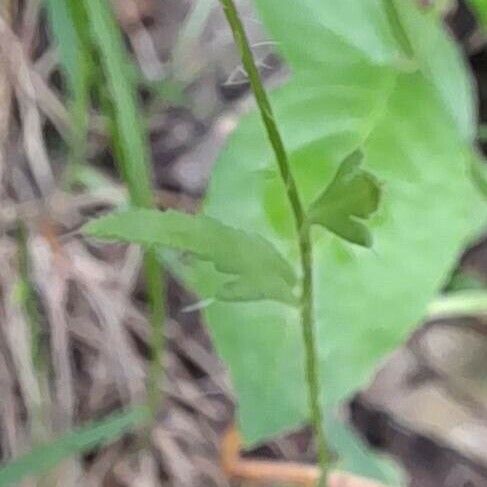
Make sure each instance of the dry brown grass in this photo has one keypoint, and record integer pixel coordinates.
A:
(92, 320)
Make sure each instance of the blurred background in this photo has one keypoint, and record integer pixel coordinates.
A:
(87, 307)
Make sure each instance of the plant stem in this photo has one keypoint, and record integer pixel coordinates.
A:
(302, 230)
(129, 139)
(312, 365)
(156, 292)
(80, 92)
(459, 303)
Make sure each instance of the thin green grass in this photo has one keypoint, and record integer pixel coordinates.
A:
(69, 29)
(302, 230)
(131, 147)
(93, 58)
(46, 456)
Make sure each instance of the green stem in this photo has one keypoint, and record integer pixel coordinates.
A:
(80, 101)
(118, 97)
(302, 230)
(156, 292)
(312, 370)
(155, 286)
(459, 303)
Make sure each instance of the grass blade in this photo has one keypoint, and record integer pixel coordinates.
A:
(68, 23)
(131, 147)
(47, 456)
(127, 127)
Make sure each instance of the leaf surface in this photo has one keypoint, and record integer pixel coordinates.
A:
(351, 89)
(353, 195)
(258, 271)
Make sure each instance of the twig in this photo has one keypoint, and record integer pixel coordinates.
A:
(5, 93)
(281, 472)
(20, 74)
(28, 304)
(303, 230)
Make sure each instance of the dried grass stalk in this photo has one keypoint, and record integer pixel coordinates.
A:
(18, 72)
(5, 93)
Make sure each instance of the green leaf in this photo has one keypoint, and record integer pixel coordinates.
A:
(480, 7)
(353, 193)
(66, 30)
(441, 64)
(478, 171)
(68, 23)
(129, 134)
(47, 456)
(349, 90)
(258, 270)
